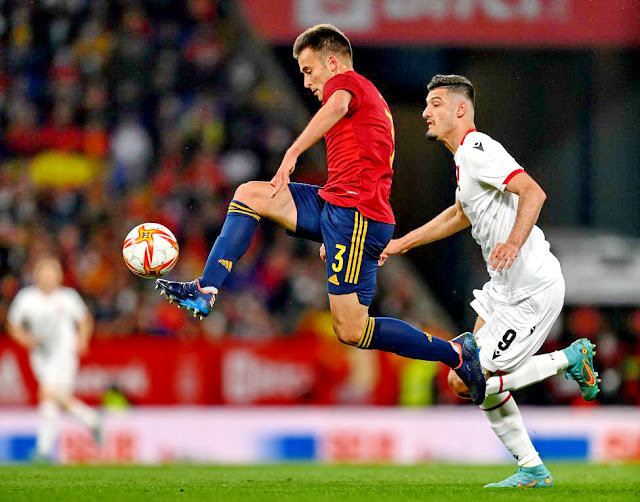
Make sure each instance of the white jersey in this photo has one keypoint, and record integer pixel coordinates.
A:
(51, 318)
(483, 169)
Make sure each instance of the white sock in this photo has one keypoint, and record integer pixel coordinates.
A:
(504, 417)
(48, 427)
(87, 415)
(535, 370)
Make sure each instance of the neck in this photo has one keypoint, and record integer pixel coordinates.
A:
(453, 140)
(343, 68)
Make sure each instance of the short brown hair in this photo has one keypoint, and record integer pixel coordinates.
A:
(454, 83)
(323, 38)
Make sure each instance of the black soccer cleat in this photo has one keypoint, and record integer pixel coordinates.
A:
(470, 370)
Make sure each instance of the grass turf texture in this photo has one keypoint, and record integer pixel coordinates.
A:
(303, 483)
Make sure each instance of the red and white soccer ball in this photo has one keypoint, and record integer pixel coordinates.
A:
(150, 250)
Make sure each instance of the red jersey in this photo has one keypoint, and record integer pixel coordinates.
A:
(360, 150)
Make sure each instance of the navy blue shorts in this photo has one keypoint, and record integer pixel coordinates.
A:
(353, 242)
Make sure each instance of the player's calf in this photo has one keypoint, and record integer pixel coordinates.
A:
(457, 385)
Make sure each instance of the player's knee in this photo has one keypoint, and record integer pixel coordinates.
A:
(457, 385)
(251, 193)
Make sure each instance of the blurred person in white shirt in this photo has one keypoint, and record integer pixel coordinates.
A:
(53, 323)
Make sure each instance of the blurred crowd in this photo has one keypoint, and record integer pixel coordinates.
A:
(116, 113)
(119, 112)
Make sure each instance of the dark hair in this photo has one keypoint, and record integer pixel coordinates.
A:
(324, 38)
(455, 83)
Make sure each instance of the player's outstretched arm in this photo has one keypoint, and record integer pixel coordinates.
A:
(532, 198)
(21, 336)
(448, 222)
(329, 114)
(85, 329)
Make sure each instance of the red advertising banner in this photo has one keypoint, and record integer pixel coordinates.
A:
(513, 23)
(165, 371)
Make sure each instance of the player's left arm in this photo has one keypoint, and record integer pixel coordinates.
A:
(85, 329)
(531, 199)
(329, 114)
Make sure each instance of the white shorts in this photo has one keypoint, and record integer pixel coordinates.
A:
(514, 332)
(55, 371)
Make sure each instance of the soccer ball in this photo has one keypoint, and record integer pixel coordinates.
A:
(150, 250)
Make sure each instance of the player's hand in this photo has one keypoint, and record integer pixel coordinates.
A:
(280, 181)
(82, 347)
(392, 248)
(323, 253)
(503, 255)
(29, 341)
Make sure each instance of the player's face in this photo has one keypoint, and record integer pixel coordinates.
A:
(48, 275)
(439, 113)
(315, 70)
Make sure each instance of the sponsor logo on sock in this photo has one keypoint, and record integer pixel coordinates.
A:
(429, 336)
(226, 264)
(334, 280)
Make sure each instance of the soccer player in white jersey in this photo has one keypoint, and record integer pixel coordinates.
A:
(517, 307)
(53, 323)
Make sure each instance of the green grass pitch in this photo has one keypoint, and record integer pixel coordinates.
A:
(308, 482)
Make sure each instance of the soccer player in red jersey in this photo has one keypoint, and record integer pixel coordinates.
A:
(351, 215)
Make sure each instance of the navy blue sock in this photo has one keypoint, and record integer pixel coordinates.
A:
(231, 244)
(393, 335)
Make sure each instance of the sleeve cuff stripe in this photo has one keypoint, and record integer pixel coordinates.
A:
(508, 178)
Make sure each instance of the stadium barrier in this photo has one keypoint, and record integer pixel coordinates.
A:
(151, 370)
(326, 434)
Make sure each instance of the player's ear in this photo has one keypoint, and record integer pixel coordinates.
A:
(461, 109)
(332, 62)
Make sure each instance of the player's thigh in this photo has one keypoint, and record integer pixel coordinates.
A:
(308, 206)
(515, 332)
(279, 208)
(353, 245)
(56, 376)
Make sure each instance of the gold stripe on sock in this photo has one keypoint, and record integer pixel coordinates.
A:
(246, 213)
(372, 326)
(235, 205)
(365, 332)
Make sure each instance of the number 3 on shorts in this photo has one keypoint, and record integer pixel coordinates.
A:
(339, 261)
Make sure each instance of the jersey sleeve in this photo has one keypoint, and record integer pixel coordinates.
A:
(77, 306)
(346, 82)
(490, 163)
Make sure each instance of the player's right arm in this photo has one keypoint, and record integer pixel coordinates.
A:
(16, 320)
(329, 114)
(85, 328)
(448, 222)
(22, 336)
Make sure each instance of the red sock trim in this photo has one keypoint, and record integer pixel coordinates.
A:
(498, 405)
(459, 353)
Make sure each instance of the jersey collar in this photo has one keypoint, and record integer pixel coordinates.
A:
(465, 135)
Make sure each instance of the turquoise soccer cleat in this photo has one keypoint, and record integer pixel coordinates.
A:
(189, 295)
(526, 477)
(580, 355)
